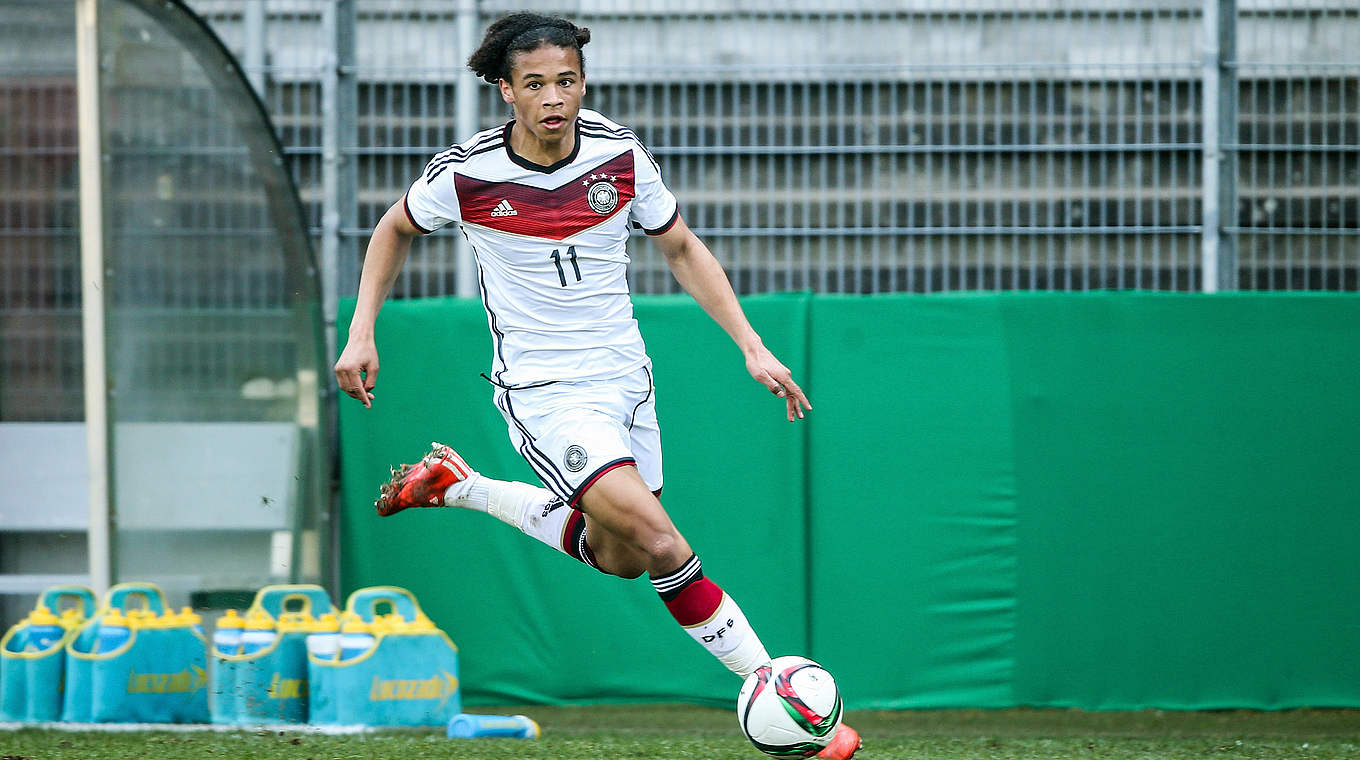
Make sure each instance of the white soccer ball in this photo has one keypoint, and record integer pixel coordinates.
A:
(789, 708)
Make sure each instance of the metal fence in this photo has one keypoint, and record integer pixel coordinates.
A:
(40, 321)
(881, 145)
(855, 146)
(1293, 208)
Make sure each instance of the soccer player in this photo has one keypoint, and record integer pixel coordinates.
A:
(546, 202)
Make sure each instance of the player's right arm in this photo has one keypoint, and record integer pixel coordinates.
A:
(357, 369)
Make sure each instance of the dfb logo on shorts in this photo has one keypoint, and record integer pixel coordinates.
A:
(603, 197)
(575, 459)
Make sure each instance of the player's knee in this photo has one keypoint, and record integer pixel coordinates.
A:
(628, 571)
(661, 550)
(614, 557)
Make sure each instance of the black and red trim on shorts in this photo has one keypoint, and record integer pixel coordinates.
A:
(594, 476)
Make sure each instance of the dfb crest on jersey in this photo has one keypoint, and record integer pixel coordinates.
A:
(575, 458)
(602, 196)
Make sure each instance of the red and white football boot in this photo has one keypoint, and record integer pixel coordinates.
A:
(843, 745)
(423, 484)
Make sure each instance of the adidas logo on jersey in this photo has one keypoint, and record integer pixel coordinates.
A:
(504, 209)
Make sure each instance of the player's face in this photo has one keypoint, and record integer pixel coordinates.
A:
(545, 90)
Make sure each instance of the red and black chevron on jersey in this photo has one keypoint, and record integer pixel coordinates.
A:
(556, 213)
(551, 245)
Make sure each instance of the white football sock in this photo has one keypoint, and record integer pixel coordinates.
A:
(711, 617)
(535, 511)
(730, 638)
(471, 493)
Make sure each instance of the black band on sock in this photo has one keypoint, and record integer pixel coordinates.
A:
(671, 584)
(583, 548)
(571, 537)
(574, 540)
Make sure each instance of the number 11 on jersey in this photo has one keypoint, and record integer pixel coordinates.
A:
(561, 273)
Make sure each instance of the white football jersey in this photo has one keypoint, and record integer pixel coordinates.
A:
(550, 243)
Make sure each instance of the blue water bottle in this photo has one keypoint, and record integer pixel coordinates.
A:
(259, 633)
(469, 726)
(114, 632)
(44, 629)
(190, 619)
(227, 634)
(323, 642)
(355, 639)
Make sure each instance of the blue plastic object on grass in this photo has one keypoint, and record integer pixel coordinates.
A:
(470, 726)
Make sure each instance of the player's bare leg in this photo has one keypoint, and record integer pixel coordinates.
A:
(624, 531)
(443, 479)
(629, 531)
(627, 527)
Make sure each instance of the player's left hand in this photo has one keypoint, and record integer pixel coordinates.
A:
(771, 373)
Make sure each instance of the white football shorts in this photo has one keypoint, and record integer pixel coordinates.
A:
(571, 433)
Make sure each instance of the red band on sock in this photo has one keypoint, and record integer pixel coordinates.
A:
(574, 541)
(571, 532)
(696, 603)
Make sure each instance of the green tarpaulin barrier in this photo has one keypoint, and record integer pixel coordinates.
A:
(1098, 500)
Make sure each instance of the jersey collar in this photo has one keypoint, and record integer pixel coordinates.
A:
(527, 164)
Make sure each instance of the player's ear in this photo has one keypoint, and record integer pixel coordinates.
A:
(507, 92)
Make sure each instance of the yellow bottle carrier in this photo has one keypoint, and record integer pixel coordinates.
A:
(33, 654)
(259, 659)
(136, 661)
(388, 666)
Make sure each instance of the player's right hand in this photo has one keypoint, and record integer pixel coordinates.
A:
(771, 373)
(357, 370)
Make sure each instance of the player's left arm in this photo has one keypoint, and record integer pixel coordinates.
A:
(700, 274)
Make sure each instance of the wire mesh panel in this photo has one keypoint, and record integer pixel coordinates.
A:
(884, 145)
(40, 349)
(408, 63)
(889, 146)
(1297, 221)
(284, 50)
(40, 293)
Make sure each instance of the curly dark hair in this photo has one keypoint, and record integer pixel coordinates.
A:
(520, 33)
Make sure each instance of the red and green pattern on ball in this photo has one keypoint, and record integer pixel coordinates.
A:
(762, 675)
(799, 750)
(804, 716)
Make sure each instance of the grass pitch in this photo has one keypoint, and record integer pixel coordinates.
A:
(683, 732)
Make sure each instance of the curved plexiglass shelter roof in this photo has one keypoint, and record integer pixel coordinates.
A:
(219, 465)
(214, 326)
